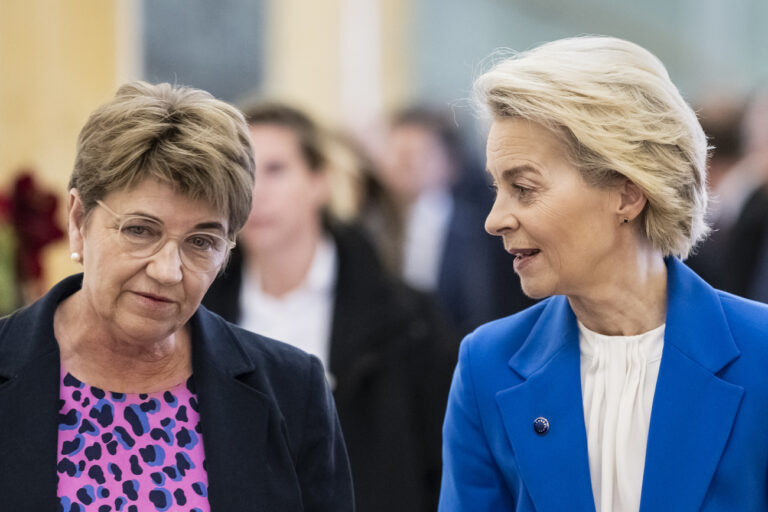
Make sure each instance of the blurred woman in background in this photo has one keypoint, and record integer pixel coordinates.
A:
(303, 277)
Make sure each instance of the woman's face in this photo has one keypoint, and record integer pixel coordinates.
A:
(141, 299)
(415, 162)
(288, 196)
(561, 231)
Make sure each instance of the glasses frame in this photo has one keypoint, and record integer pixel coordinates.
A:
(123, 218)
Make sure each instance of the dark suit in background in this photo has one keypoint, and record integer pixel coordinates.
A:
(477, 282)
(735, 258)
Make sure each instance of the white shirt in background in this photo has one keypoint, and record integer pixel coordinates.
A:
(303, 316)
(618, 380)
(426, 230)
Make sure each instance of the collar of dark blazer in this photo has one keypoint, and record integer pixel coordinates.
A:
(212, 342)
(234, 402)
(693, 408)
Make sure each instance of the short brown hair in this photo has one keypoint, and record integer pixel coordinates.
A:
(174, 134)
(309, 134)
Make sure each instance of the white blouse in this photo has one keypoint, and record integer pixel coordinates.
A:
(426, 231)
(303, 316)
(618, 380)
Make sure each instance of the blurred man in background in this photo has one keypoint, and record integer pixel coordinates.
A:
(445, 249)
(735, 257)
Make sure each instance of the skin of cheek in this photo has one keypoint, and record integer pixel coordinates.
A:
(554, 240)
(573, 245)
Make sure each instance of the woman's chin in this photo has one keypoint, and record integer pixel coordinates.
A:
(535, 289)
(147, 331)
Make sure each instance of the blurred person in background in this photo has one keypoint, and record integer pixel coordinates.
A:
(721, 119)
(444, 250)
(633, 385)
(117, 391)
(735, 256)
(372, 206)
(303, 276)
(744, 195)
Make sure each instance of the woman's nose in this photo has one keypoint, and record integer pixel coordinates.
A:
(165, 266)
(501, 218)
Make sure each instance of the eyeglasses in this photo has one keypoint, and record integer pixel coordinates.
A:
(142, 237)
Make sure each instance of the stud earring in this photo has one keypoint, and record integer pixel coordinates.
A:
(626, 220)
(75, 256)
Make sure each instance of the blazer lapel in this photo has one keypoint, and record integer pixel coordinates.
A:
(693, 410)
(554, 465)
(29, 407)
(247, 459)
(29, 404)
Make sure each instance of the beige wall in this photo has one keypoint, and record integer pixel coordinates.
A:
(305, 61)
(57, 62)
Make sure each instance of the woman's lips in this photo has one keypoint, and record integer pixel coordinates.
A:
(159, 298)
(523, 257)
(153, 302)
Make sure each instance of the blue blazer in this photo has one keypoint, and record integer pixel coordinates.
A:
(271, 436)
(708, 437)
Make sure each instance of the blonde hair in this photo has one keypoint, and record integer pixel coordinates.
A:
(619, 114)
(178, 135)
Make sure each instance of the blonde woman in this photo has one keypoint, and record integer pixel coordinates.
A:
(635, 385)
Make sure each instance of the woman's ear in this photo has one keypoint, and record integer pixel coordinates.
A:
(76, 222)
(632, 200)
(321, 189)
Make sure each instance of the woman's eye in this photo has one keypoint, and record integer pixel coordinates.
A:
(274, 169)
(139, 231)
(494, 188)
(521, 191)
(201, 242)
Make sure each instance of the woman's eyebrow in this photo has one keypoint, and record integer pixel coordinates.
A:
(200, 226)
(210, 225)
(514, 172)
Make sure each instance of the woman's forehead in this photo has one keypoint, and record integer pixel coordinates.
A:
(519, 142)
(163, 203)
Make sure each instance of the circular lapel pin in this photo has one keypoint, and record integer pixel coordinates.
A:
(541, 425)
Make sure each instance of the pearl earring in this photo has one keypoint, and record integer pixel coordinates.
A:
(75, 256)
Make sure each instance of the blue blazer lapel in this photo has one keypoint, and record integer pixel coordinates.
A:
(554, 465)
(693, 410)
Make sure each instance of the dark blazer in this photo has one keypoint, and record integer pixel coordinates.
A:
(707, 444)
(392, 359)
(271, 436)
(476, 282)
(735, 258)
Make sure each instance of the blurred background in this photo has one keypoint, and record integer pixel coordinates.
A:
(349, 63)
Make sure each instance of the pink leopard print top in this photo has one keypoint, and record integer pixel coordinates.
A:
(130, 452)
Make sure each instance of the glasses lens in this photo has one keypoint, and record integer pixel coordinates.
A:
(199, 252)
(140, 236)
(203, 252)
